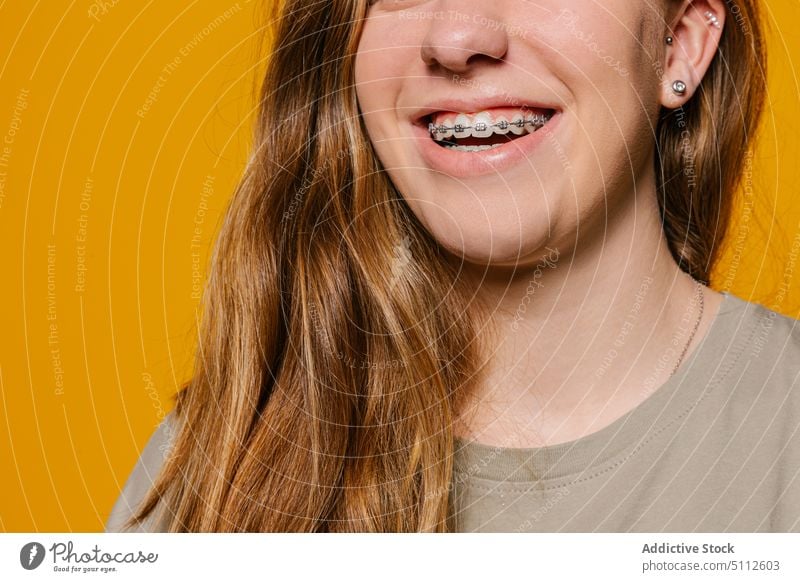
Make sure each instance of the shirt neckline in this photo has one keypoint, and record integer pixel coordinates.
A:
(600, 451)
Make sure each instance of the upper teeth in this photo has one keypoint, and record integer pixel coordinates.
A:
(482, 125)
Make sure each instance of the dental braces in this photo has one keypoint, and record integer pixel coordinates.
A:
(539, 120)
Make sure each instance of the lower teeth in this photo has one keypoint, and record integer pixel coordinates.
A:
(472, 148)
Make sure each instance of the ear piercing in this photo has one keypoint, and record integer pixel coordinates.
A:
(712, 19)
(679, 87)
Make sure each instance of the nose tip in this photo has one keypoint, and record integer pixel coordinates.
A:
(458, 46)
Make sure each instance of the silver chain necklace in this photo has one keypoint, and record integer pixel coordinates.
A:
(701, 295)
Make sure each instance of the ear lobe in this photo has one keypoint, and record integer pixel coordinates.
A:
(696, 30)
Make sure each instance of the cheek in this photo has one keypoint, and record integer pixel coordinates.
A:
(605, 56)
(384, 57)
(600, 50)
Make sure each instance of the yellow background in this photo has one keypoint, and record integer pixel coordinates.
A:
(129, 124)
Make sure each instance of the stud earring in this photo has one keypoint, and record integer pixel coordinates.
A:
(668, 40)
(712, 19)
(679, 87)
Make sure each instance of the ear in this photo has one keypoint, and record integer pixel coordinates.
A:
(696, 28)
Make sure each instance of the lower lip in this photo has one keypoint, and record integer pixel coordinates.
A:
(462, 164)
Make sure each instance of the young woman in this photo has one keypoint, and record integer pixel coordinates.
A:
(463, 285)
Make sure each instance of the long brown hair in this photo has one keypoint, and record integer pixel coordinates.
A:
(328, 378)
(703, 146)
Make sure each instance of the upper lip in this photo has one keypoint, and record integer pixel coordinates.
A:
(475, 104)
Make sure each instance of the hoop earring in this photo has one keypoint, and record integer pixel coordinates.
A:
(679, 87)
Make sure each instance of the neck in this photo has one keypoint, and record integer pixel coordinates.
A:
(583, 334)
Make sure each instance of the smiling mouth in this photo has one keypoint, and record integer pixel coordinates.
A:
(485, 130)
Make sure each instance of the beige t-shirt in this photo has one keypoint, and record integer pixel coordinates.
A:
(714, 449)
(141, 480)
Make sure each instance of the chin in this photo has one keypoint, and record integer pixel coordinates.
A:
(492, 233)
(503, 246)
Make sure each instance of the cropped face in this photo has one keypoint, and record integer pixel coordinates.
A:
(512, 125)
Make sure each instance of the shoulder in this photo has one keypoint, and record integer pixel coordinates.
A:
(754, 413)
(765, 345)
(771, 337)
(142, 477)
